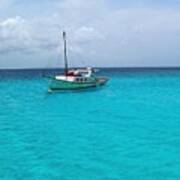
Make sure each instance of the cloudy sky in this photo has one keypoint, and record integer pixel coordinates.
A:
(111, 33)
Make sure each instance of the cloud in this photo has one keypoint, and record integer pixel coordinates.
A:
(86, 34)
(14, 35)
(20, 35)
(14, 28)
(97, 33)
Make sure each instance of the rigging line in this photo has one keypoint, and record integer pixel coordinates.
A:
(83, 62)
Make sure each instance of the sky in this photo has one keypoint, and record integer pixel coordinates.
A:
(101, 33)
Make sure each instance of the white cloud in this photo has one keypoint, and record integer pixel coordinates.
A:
(14, 35)
(85, 34)
(24, 36)
(99, 34)
(14, 28)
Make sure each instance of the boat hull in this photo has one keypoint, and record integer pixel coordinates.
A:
(67, 85)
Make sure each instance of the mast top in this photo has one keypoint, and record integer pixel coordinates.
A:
(64, 35)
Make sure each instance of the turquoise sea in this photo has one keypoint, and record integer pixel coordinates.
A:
(127, 130)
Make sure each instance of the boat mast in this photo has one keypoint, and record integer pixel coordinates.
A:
(65, 54)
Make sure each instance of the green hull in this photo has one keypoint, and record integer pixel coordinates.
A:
(66, 85)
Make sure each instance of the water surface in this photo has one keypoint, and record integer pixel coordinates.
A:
(127, 130)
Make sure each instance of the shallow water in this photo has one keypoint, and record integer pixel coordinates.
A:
(127, 130)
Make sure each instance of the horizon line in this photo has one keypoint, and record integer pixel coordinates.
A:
(60, 68)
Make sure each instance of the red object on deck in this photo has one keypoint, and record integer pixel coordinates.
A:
(71, 74)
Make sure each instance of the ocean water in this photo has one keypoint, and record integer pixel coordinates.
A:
(127, 130)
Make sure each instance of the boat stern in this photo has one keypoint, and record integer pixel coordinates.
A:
(102, 80)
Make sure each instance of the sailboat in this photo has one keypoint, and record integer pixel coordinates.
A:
(75, 79)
